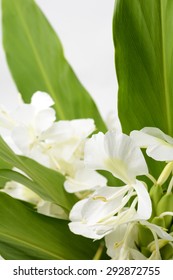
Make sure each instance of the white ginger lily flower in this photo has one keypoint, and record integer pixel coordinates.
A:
(66, 140)
(159, 145)
(116, 153)
(58, 145)
(31, 121)
(104, 210)
(25, 124)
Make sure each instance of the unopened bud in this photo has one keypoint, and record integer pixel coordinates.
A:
(165, 174)
(156, 194)
(145, 236)
(165, 205)
(167, 252)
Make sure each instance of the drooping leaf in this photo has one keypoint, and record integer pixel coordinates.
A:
(36, 60)
(45, 182)
(143, 53)
(25, 234)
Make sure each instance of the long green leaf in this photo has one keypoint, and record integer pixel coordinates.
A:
(25, 234)
(144, 62)
(45, 182)
(36, 60)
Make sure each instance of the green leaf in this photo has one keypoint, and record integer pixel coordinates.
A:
(4, 165)
(44, 181)
(3, 181)
(143, 53)
(36, 60)
(25, 234)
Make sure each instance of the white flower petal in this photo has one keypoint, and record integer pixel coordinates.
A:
(24, 115)
(159, 145)
(137, 255)
(52, 210)
(84, 179)
(125, 159)
(76, 211)
(157, 133)
(161, 152)
(19, 191)
(144, 202)
(5, 118)
(40, 154)
(82, 127)
(41, 100)
(74, 130)
(104, 204)
(121, 241)
(22, 138)
(44, 120)
(113, 122)
(116, 153)
(95, 154)
(84, 230)
(114, 241)
(67, 138)
(97, 212)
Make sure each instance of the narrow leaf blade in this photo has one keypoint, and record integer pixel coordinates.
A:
(143, 55)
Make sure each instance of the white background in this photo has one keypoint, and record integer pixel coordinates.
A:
(85, 29)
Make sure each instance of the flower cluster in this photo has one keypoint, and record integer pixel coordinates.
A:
(134, 216)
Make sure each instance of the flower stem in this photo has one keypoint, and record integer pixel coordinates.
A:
(99, 252)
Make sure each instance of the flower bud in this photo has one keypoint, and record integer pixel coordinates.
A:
(144, 236)
(156, 194)
(165, 205)
(166, 252)
(165, 174)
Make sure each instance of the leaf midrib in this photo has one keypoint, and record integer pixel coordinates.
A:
(39, 63)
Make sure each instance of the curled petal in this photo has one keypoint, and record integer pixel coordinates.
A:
(144, 209)
(158, 144)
